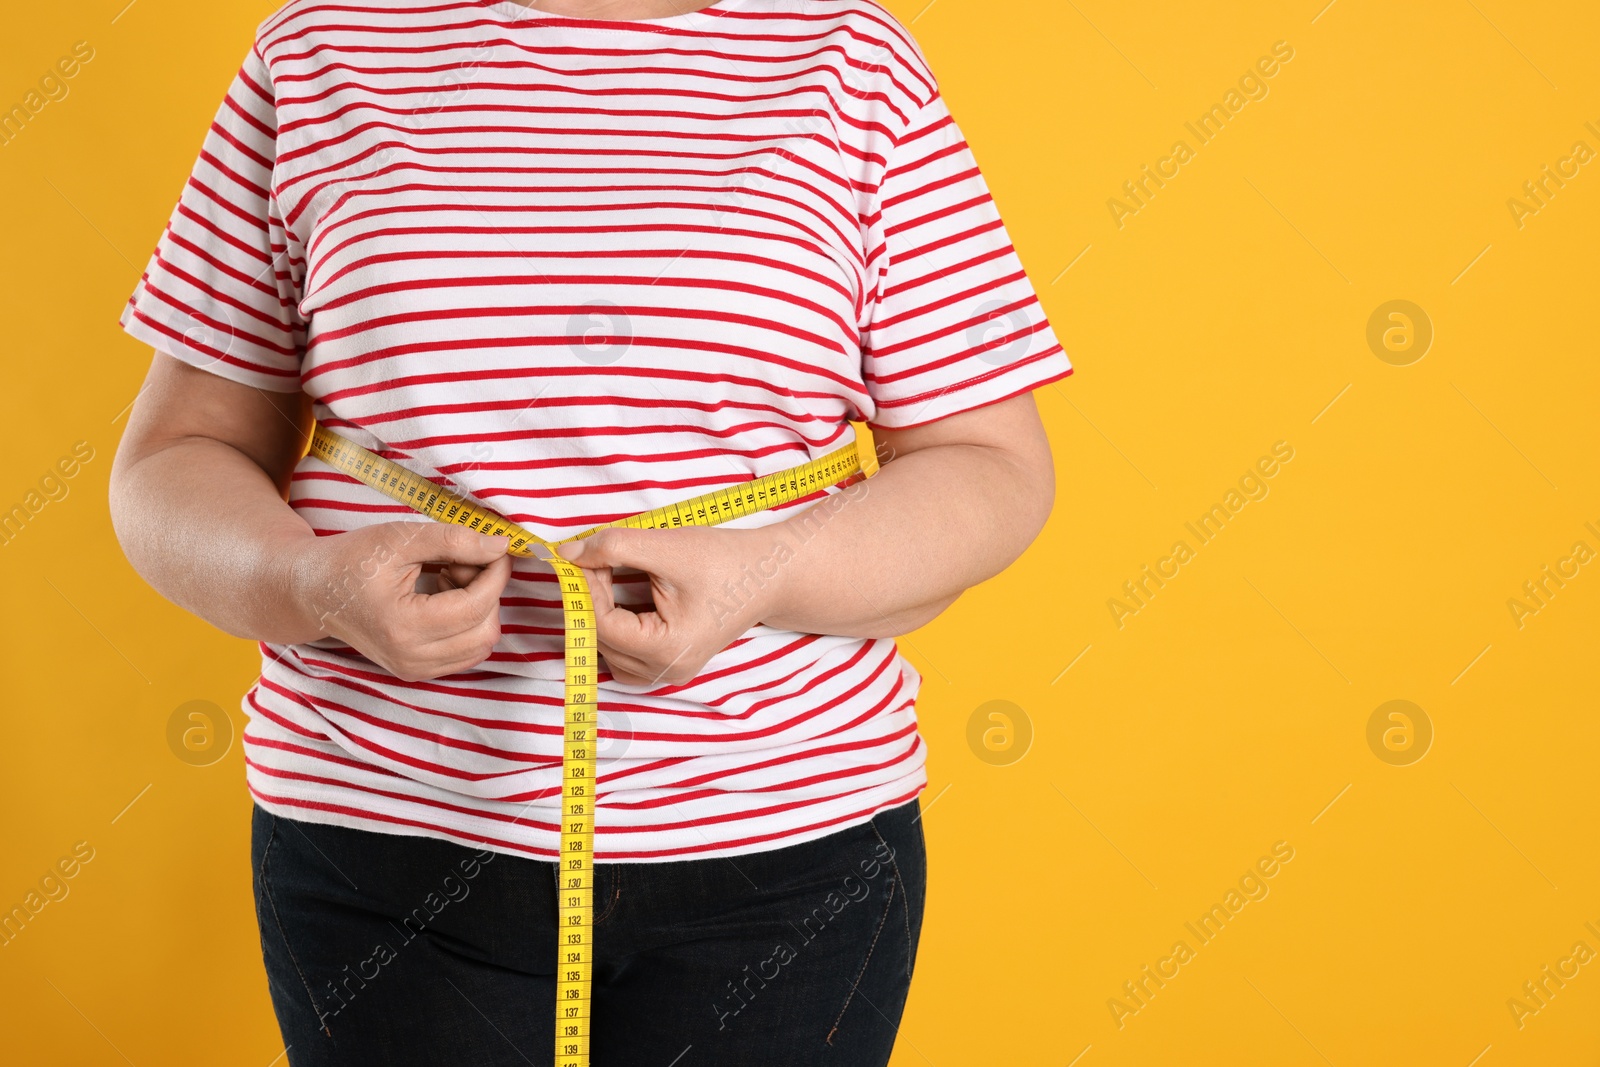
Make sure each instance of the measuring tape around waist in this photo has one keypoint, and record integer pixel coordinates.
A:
(575, 875)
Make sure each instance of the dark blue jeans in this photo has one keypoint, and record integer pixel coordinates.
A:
(391, 950)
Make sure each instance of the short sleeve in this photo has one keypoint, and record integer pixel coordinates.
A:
(954, 324)
(220, 291)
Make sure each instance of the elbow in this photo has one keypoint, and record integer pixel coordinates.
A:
(1033, 495)
(1044, 495)
(121, 500)
(928, 612)
(131, 504)
(913, 618)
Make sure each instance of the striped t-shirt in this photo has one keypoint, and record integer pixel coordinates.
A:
(579, 269)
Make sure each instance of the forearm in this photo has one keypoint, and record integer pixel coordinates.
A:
(210, 531)
(887, 555)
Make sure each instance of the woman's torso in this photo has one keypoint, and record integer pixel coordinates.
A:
(580, 270)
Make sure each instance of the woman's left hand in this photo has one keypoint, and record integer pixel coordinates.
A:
(709, 586)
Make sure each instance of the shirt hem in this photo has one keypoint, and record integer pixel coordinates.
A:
(394, 821)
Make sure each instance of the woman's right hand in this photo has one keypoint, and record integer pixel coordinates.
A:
(364, 587)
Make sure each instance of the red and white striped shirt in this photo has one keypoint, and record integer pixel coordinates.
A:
(579, 269)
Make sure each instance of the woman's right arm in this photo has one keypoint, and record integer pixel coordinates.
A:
(198, 501)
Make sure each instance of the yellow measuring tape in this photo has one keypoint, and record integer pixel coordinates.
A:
(575, 880)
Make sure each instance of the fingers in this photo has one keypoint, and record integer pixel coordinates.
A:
(618, 547)
(450, 631)
(643, 648)
(450, 544)
(374, 602)
(487, 585)
(602, 589)
(670, 640)
(425, 635)
(624, 671)
(616, 629)
(452, 611)
(451, 655)
(465, 650)
(457, 575)
(677, 671)
(639, 635)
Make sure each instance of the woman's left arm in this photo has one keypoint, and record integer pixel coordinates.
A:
(954, 502)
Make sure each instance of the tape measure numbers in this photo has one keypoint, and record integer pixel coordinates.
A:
(580, 733)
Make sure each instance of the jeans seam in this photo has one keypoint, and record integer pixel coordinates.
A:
(266, 891)
(911, 947)
(616, 894)
(855, 985)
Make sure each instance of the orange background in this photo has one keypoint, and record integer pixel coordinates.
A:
(1166, 755)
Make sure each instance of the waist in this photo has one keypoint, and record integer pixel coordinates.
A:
(675, 778)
